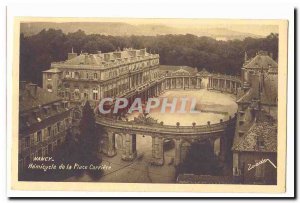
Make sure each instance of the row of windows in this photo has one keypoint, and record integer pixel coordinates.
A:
(116, 72)
(42, 152)
(43, 134)
(77, 75)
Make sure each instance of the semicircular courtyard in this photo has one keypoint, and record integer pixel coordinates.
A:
(212, 106)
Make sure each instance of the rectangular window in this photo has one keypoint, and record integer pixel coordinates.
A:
(50, 149)
(40, 152)
(95, 95)
(39, 136)
(54, 129)
(49, 131)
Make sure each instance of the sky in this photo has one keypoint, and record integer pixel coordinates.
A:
(257, 27)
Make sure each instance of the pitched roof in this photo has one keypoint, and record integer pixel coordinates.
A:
(203, 72)
(97, 60)
(261, 61)
(29, 100)
(266, 131)
(52, 70)
(181, 71)
(171, 68)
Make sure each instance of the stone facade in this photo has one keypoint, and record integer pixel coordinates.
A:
(93, 76)
(43, 122)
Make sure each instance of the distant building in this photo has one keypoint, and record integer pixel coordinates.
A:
(44, 119)
(222, 39)
(256, 129)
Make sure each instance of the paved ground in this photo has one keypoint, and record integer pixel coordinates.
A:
(206, 101)
(139, 170)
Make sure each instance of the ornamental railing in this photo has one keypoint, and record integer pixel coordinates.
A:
(161, 128)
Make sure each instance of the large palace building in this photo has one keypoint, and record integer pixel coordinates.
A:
(129, 73)
(94, 76)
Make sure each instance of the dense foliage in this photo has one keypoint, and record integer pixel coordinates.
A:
(38, 51)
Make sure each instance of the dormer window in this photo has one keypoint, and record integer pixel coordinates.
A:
(49, 76)
(56, 106)
(95, 76)
(36, 114)
(46, 109)
(65, 104)
(260, 142)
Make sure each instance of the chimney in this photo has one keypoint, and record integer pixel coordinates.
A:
(143, 52)
(271, 55)
(132, 53)
(107, 57)
(86, 57)
(33, 89)
(117, 55)
(72, 55)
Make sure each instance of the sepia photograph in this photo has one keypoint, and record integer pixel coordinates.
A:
(150, 101)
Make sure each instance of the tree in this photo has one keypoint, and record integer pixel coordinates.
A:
(88, 139)
(38, 51)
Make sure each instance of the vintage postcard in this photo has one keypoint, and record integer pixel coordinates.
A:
(132, 104)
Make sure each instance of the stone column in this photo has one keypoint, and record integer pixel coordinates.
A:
(172, 86)
(157, 151)
(128, 147)
(129, 80)
(177, 152)
(235, 88)
(111, 149)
